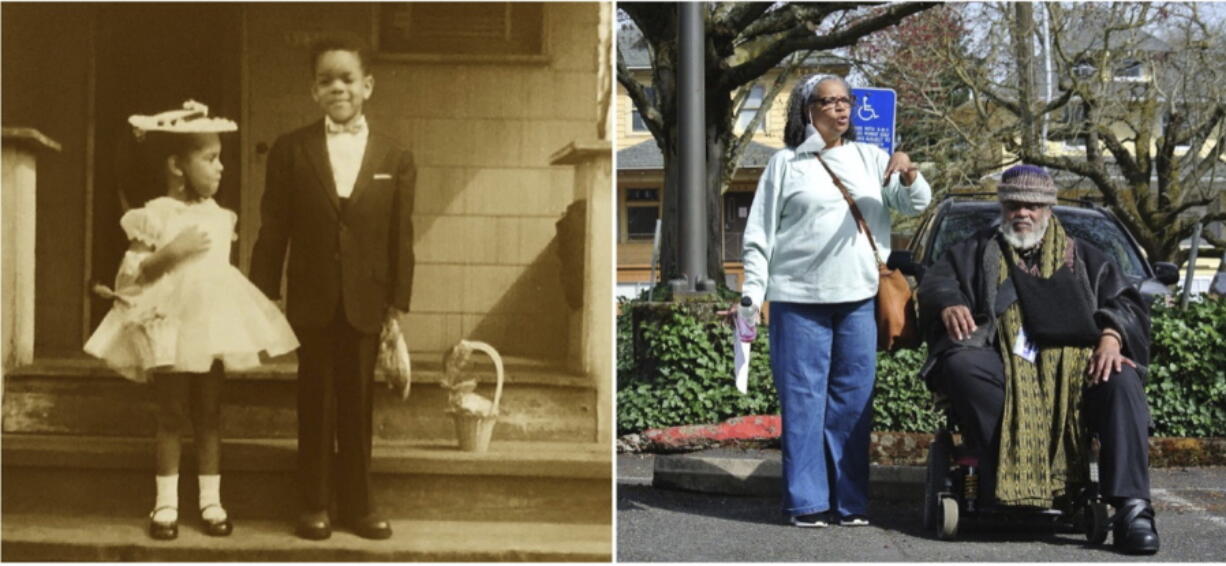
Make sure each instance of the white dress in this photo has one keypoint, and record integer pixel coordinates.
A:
(202, 310)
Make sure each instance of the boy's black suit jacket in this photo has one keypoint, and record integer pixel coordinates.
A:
(361, 256)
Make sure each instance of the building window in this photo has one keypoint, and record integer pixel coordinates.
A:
(750, 109)
(637, 124)
(1073, 123)
(642, 209)
(460, 30)
(1083, 70)
(1129, 70)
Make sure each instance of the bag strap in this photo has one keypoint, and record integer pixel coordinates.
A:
(855, 210)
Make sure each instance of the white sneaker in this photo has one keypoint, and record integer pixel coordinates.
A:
(854, 521)
(811, 521)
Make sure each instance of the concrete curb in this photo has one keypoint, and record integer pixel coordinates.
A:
(761, 474)
(885, 448)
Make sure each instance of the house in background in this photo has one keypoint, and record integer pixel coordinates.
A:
(498, 102)
(640, 167)
(1136, 69)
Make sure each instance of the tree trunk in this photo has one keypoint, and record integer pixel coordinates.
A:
(1023, 34)
(670, 215)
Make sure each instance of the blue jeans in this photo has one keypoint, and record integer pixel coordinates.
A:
(824, 360)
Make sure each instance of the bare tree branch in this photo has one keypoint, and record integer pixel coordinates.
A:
(738, 17)
(647, 108)
(800, 37)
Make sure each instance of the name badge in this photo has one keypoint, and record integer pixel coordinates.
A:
(1024, 348)
(381, 176)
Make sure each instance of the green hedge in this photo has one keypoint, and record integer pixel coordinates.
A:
(680, 372)
(1187, 371)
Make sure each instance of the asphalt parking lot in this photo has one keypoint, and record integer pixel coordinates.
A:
(683, 526)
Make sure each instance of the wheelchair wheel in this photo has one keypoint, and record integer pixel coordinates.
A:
(1096, 522)
(937, 473)
(948, 529)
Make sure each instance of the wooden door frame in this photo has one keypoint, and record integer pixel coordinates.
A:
(91, 151)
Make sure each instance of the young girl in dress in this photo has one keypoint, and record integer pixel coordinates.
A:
(182, 314)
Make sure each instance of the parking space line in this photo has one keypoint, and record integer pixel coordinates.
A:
(1178, 501)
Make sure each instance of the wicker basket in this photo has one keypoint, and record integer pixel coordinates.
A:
(474, 431)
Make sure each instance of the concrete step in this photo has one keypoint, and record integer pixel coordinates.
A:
(29, 537)
(81, 396)
(421, 481)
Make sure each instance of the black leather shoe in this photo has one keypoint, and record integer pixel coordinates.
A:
(1134, 529)
(216, 528)
(163, 531)
(314, 526)
(371, 526)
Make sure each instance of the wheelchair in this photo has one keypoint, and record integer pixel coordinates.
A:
(951, 489)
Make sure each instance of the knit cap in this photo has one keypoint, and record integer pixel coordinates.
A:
(1026, 183)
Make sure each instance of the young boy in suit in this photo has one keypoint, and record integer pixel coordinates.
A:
(339, 196)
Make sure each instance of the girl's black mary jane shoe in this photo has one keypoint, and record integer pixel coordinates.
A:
(217, 528)
(162, 531)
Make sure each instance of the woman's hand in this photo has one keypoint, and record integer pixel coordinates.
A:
(901, 163)
(1107, 359)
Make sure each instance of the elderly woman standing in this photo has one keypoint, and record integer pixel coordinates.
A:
(804, 253)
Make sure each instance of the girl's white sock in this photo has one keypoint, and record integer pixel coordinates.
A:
(210, 498)
(167, 504)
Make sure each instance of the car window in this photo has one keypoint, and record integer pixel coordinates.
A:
(957, 225)
(1100, 231)
(1104, 234)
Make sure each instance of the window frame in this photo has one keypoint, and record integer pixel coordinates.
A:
(382, 51)
(624, 206)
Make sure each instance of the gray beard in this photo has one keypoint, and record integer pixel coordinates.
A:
(1024, 241)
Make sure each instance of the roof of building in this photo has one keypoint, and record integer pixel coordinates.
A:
(646, 156)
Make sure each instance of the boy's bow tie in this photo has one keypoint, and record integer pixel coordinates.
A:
(353, 127)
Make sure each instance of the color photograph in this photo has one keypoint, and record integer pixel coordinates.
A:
(920, 281)
(307, 282)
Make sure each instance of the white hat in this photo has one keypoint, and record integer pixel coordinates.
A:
(192, 119)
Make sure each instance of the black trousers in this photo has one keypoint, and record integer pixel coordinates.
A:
(335, 380)
(974, 381)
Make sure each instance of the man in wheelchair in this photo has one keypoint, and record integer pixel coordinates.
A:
(1035, 338)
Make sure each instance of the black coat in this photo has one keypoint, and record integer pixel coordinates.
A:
(361, 257)
(967, 274)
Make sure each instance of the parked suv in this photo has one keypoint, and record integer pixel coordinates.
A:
(957, 217)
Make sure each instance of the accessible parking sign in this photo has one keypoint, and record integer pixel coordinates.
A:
(873, 116)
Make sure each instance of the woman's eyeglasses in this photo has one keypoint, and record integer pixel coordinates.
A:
(830, 101)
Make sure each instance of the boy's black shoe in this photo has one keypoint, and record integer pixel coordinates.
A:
(371, 526)
(314, 526)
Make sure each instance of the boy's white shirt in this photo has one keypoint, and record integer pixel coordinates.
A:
(345, 152)
(801, 243)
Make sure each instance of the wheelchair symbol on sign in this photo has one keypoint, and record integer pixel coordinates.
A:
(865, 111)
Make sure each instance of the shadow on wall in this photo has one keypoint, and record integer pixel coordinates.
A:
(488, 260)
(532, 318)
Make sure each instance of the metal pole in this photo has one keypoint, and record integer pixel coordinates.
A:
(655, 258)
(1047, 75)
(1187, 282)
(691, 113)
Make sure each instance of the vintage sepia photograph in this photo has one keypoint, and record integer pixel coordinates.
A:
(304, 282)
(921, 281)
